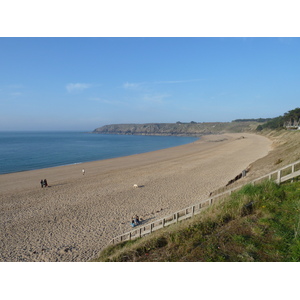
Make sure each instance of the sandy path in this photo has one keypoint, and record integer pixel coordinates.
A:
(77, 215)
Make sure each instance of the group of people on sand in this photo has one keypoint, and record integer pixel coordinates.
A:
(135, 221)
(44, 183)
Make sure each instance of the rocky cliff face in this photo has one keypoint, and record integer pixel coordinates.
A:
(190, 129)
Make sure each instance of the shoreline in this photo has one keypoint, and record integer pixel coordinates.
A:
(77, 215)
(82, 165)
(101, 159)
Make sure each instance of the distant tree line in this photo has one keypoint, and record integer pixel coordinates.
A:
(278, 122)
(192, 122)
(260, 120)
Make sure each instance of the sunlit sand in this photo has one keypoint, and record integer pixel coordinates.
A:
(79, 213)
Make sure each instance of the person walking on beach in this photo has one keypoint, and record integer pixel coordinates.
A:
(83, 171)
(42, 183)
(45, 183)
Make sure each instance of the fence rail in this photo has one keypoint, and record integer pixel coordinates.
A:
(281, 175)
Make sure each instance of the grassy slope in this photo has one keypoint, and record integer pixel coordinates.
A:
(227, 231)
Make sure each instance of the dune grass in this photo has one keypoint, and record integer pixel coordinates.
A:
(257, 223)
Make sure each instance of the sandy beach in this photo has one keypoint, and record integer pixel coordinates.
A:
(77, 215)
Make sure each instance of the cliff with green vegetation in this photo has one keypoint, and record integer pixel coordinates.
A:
(198, 129)
(179, 128)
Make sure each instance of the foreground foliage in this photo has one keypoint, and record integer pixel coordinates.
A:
(257, 223)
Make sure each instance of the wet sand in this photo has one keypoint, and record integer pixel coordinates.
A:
(77, 215)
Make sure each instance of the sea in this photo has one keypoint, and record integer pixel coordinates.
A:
(24, 151)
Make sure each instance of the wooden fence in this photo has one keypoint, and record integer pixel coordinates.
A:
(281, 175)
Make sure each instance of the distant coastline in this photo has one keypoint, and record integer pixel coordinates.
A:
(178, 129)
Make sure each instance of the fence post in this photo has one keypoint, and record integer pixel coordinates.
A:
(163, 222)
(293, 171)
(177, 215)
(140, 232)
(130, 235)
(279, 177)
(193, 210)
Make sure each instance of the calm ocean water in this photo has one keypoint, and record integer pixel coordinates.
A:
(23, 151)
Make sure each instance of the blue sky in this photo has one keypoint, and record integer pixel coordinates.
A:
(84, 83)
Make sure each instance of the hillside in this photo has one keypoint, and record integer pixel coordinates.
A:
(186, 129)
(197, 129)
(256, 224)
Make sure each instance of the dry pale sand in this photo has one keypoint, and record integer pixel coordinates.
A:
(74, 218)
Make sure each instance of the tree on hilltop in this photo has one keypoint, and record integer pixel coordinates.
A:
(278, 122)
